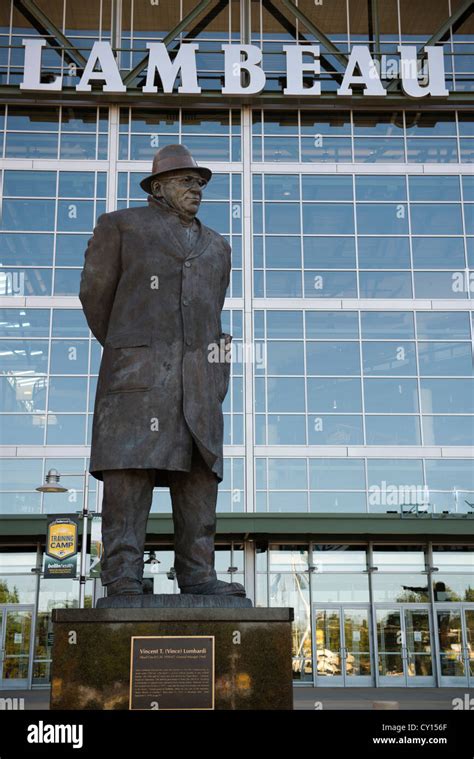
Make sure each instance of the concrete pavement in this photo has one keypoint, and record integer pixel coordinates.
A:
(319, 698)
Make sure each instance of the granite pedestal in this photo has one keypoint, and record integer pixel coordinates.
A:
(91, 666)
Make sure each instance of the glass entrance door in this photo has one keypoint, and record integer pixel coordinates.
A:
(404, 649)
(15, 645)
(456, 644)
(342, 646)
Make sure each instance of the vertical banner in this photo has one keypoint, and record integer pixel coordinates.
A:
(96, 546)
(60, 558)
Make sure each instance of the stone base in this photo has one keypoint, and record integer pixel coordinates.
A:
(173, 601)
(92, 670)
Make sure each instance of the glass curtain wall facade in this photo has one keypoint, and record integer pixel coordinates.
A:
(350, 305)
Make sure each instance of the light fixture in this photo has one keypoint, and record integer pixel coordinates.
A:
(51, 484)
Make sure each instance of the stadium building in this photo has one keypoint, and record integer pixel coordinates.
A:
(343, 180)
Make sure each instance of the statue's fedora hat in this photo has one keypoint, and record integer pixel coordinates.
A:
(172, 158)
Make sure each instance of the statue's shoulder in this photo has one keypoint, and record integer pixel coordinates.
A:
(126, 216)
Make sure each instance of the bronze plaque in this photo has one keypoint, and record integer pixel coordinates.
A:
(172, 672)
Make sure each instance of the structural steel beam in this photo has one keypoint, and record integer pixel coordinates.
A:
(135, 72)
(374, 28)
(210, 16)
(330, 46)
(466, 7)
(291, 29)
(54, 36)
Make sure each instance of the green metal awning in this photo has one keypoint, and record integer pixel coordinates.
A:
(285, 524)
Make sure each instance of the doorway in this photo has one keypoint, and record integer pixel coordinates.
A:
(342, 645)
(455, 627)
(16, 639)
(404, 645)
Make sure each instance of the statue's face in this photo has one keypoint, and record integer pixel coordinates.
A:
(181, 189)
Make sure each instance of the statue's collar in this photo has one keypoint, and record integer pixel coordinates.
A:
(203, 236)
(164, 206)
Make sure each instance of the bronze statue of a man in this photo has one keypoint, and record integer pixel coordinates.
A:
(152, 290)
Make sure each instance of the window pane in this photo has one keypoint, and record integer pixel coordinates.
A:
(398, 558)
(385, 284)
(328, 218)
(332, 324)
(434, 188)
(334, 394)
(392, 430)
(282, 217)
(335, 430)
(29, 184)
(336, 474)
(438, 219)
(287, 474)
(16, 322)
(32, 119)
(21, 249)
(391, 396)
(338, 358)
(282, 252)
(448, 430)
(329, 252)
(321, 187)
(380, 188)
(455, 474)
(445, 359)
(438, 252)
(284, 324)
(387, 324)
(285, 357)
(443, 325)
(28, 214)
(444, 396)
(330, 284)
(382, 219)
(389, 358)
(285, 394)
(403, 472)
(384, 252)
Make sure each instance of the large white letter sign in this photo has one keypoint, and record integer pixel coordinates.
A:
(243, 71)
(32, 68)
(102, 54)
(409, 73)
(233, 67)
(168, 70)
(296, 66)
(361, 57)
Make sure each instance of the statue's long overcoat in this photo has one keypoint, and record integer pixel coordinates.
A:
(156, 309)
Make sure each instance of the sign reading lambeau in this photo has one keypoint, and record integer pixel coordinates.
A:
(417, 79)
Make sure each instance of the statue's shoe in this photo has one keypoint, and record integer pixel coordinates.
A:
(215, 587)
(124, 586)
